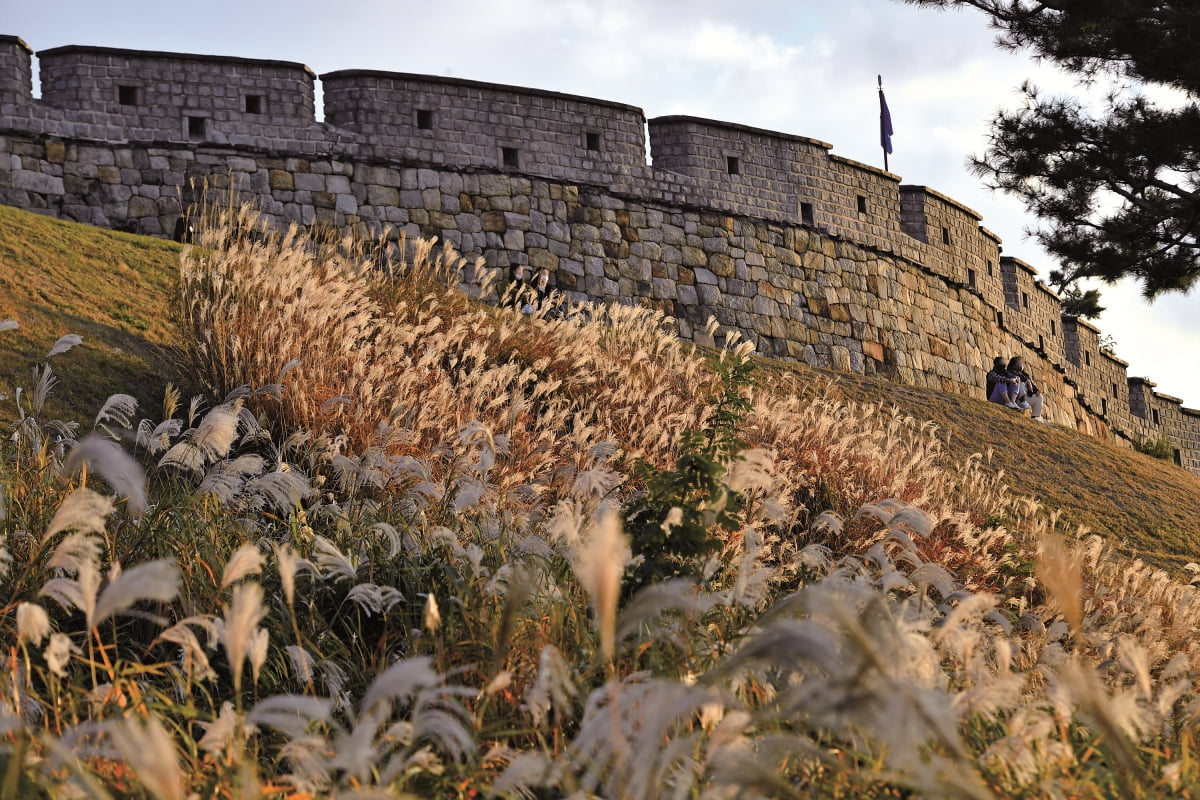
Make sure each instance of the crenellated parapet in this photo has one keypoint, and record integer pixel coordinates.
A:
(810, 255)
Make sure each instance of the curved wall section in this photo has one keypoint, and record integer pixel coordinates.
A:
(810, 255)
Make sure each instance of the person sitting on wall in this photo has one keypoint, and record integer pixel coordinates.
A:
(541, 287)
(996, 375)
(1007, 392)
(1029, 394)
(516, 292)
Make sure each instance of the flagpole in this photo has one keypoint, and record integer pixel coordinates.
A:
(883, 132)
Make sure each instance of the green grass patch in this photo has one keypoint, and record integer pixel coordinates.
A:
(113, 289)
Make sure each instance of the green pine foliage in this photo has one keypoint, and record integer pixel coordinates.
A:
(706, 509)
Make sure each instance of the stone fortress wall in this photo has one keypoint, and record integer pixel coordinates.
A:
(810, 255)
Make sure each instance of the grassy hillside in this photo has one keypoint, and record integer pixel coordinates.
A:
(115, 290)
(1145, 505)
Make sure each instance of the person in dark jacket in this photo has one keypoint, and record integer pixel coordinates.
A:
(996, 375)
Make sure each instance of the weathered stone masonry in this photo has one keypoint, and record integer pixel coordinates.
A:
(810, 255)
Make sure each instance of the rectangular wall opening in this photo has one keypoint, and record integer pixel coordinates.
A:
(945, 236)
(592, 141)
(733, 165)
(1114, 387)
(806, 214)
(129, 95)
(1025, 300)
(197, 127)
(1178, 458)
(862, 204)
(971, 278)
(1154, 415)
(510, 157)
(424, 119)
(254, 104)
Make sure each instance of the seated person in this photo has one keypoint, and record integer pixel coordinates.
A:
(1029, 394)
(996, 375)
(1007, 390)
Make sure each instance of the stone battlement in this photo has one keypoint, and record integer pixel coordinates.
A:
(811, 255)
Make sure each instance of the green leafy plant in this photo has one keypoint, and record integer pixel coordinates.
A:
(672, 524)
(1160, 448)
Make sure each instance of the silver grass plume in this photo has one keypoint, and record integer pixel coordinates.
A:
(64, 344)
(33, 624)
(83, 510)
(150, 752)
(247, 560)
(110, 461)
(194, 655)
(118, 409)
(239, 629)
(154, 580)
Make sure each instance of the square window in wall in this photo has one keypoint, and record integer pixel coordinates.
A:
(128, 95)
(945, 236)
(862, 204)
(424, 119)
(197, 127)
(254, 104)
(806, 214)
(733, 165)
(971, 278)
(591, 141)
(510, 157)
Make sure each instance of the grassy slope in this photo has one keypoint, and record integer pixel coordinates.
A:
(1146, 505)
(115, 289)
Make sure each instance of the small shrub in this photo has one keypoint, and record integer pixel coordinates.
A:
(1160, 448)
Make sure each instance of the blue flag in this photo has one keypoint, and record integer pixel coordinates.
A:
(885, 123)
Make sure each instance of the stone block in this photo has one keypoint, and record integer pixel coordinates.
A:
(56, 151)
(280, 180)
(721, 265)
(106, 173)
(382, 196)
(494, 222)
(308, 182)
(141, 207)
(539, 258)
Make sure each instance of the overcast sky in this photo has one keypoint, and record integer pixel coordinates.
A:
(804, 67)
